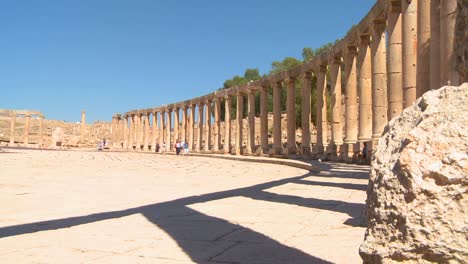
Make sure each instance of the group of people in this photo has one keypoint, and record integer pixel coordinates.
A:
(181, 147)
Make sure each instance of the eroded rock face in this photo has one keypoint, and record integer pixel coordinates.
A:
(417, 195)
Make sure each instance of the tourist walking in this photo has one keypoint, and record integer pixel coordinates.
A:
(186, 148)
(163, 148)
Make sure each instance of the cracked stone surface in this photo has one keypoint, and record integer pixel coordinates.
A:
(105, 207)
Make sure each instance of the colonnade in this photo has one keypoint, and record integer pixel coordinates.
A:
(27, 125)
(400, 50)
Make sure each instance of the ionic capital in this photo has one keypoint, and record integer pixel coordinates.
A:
(364, 40)
(352, 50)
(378, 26)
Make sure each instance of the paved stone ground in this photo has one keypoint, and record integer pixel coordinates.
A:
(102, 207)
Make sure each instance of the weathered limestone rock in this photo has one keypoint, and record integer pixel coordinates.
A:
(417, 197)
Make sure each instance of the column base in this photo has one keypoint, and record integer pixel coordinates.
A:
(306, 151)
(276, 150)
(238, 151)
(289, 151)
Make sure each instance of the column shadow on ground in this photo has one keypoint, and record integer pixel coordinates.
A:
(207, 239)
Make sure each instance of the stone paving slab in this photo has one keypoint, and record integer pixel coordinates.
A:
(117, 207)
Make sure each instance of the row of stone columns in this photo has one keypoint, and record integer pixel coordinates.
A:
(26, 130)
(395, 57)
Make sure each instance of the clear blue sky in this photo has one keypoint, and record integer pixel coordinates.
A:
(111, 56)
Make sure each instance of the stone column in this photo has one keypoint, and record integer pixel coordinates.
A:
(163, 130)
(200, 126)
(251, 122)
(138, 130)
(154, 130)
(305, 104)
(395, 92)
(264, 119)
(322, 120)
(183, 127)
(207, 132)
(125, 143)
(26, 129)
(423, 50)
(365, 89)
(240, 113)
(351, 98)
(379, 79)
(41, 133)
(434, 50)
(169, 144)
(291, 120)
(12, 128)
(176, 125)
(217, 124)
(277, 146)
(448, 15)
(147, 131)
(227, 124)
(83, 127)
(409, 40)
(335, 75)
(192, 126)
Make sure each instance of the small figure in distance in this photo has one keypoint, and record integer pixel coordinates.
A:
(163, 148)
(157, 147)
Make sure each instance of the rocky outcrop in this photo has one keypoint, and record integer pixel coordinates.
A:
(417, 195)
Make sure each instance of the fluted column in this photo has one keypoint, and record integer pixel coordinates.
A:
(126, 136)
(395, 91)
(322, 120)
(207, 131)
(192, 126)
(154, 130)
(434, 49)
(277, 147)
(147, 131)
(201, 107)
(409, 50)
(239, 116)
(169, 144)
(82, 128)
(264, 119)
(448, 15)
(227, 124)
(183, 127)
(379, 79)
(365, 89)
(176, 125)
(217, 123)
(305, 115)
(138, 130)
(337, 126)
(351, 96)
(423, 50)
(26, 129)
(250, 121)
(291, 112)
(12, 128)
(41, 133)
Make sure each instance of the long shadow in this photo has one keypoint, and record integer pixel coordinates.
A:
(350, 186)
(199, 235)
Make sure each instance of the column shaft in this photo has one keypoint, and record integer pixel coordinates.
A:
(277, 147)
(138, 130)
(434, 49)
(264, 119)
(183, 127)
(240, 113)
(227, 124)
(217, 123)
(322, 122)
(169, 143)
(200, 126)
(351, 97)
(305, 104)
(448, 15)
(12, 128)
(424, 38)
(26, 129)
(192, 127)
(207, 145)
(154, 131)
(409, 37)
(176, 125)
(335, 74)
(147, 131)
(125, 143)
(379, 79)
(365, 89)
(291, 119)
(395, 92)
(250, 122)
